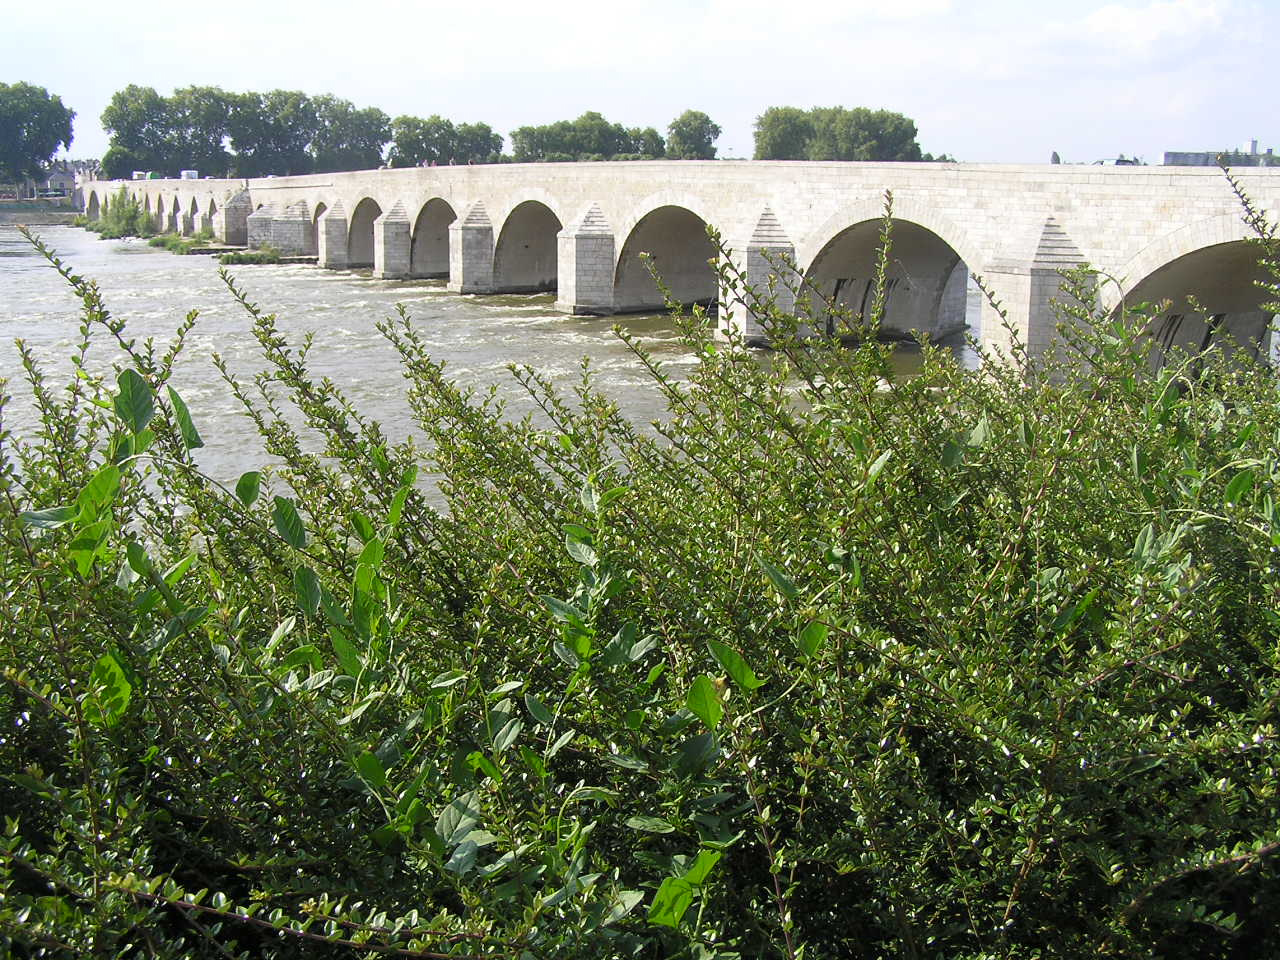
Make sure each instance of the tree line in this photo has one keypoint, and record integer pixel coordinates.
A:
(288, 132)
(280, 132)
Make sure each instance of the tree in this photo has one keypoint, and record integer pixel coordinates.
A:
(647, 142)
(691, 135)
(271, 133)
(141, 133)
(33, 125)
(783, 133)
(416, 142)
(476, 143)
(836, 133)
(347, 138)
(198, 120)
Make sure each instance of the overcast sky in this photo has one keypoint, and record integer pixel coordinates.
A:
(985, 80)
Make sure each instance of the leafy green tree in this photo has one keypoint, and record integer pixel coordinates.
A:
(783, 133)
(476, 143)
(691, 136)
(647, 142)
(33, 125)
(198, 120)
(141, 133)
(272, 132)
(415, 142)
(836, 133)
(347, 138)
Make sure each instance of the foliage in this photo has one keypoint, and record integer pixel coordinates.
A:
(589, 137)
(836, 133)
(417, 142)
(33, 125)
(264, 254)
(124, 217)
(179, 244)
(691, 136)
(827, 664)
(220, 133)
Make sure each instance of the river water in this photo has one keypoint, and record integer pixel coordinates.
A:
(153, 290)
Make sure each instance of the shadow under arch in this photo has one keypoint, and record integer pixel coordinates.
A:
(360, 233)
(524, 256)
(429, 248)
(676, 240)
(92, 209)
(1208, 298)
(926, 280)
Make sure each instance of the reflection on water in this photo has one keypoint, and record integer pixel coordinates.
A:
(478, 337)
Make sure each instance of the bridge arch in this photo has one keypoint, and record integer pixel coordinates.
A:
(927, 277)
(524, 256)
(92, 209)
(1204, 276)
(318, 212)
(360, 233)
(675, 236)
(429, 248)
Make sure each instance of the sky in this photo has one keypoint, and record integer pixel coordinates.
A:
(1006, 81)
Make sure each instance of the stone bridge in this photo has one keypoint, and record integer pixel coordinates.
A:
(579, 229)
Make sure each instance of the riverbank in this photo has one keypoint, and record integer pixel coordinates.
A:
(36, 218)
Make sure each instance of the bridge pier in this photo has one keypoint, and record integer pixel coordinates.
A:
(766, 257)
(258, 226)
(230, 222)
(392, 244)
(471, 252)
(1027, 291)
(584, 266)
(292, 233)
(203, 222)
(186, 223)
(331, 237)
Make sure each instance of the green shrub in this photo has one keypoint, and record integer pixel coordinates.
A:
(124, 218)
(264, 254)
(829, 664)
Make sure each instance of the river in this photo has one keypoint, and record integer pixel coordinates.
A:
(153, 290)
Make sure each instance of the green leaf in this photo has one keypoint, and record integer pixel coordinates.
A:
(362, 526)
(952, 455)
(135, 403)
(463, 859)
(649, 824)
(247, 487)
(581, 552)
(48, 519)
(190, 435)
(671, 902)
(980, 433)
(565, 612)
(1239, 486)
(371, 770)
(702, 866)
(101, 488)
(873, 471)
(781, 581)
(111, 691)
(306, 586)
(734, 665)
(538, 710)
(704, 701)
(812, 637)
(505, 737)
(288, 524)
(348, 657)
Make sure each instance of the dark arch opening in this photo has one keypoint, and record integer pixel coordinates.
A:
(1209, 299)
(926, 282)
(91, 208)
(429, 255)
(360, 235)
(524, 258)
(319, 212)
(677, 241)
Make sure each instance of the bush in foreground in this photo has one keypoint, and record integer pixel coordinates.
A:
(830, 664)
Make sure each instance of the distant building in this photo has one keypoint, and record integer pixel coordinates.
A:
(1246, 156)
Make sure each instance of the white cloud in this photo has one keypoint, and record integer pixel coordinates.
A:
(1162, 28)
